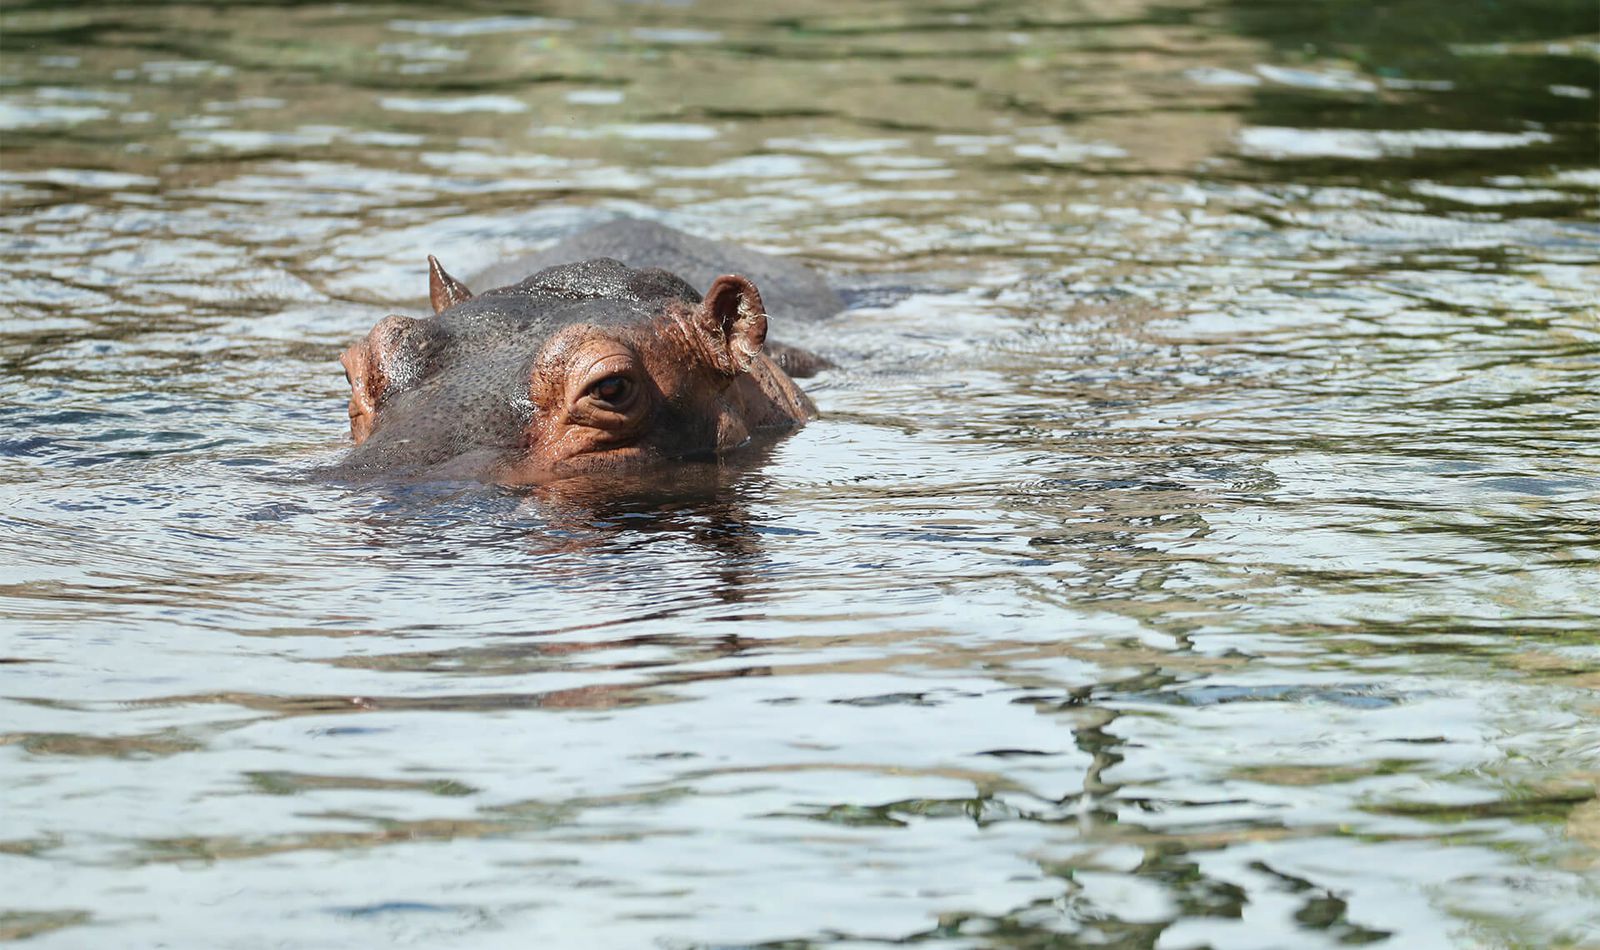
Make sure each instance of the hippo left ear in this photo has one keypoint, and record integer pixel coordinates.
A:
(444, 291)
(736, 320)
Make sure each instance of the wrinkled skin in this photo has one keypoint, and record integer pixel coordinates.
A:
(580, 371)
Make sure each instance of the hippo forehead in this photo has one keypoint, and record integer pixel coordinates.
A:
(601, 292)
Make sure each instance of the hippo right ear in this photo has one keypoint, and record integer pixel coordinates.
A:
(444, 291)
(733, 316)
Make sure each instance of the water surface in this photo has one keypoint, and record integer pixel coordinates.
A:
(1198, 546)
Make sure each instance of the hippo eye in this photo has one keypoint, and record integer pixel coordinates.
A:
(612, 389)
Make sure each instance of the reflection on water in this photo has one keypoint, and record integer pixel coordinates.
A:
(1197, 547)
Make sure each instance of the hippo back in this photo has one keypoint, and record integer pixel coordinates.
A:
(790, 290)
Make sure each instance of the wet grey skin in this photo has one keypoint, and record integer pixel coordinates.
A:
(457, 404)
(791, 291)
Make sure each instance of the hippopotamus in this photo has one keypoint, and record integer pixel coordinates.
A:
(628, 347)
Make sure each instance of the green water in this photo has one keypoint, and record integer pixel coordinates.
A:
(1199, 547)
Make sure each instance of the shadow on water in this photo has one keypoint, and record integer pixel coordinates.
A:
(1428, 102)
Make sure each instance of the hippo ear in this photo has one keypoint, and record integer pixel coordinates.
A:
(736, 320)
(444, 291)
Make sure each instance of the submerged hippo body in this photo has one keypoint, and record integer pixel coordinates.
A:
(579, 368)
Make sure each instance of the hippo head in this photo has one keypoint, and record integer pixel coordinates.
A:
(583, 369)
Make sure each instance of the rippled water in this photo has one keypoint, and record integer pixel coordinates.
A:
(1198, 547)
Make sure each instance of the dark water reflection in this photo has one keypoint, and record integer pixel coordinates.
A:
(1198, 546)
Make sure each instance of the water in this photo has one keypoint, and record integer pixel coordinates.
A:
(1198, 546)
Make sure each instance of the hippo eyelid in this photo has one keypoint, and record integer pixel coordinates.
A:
(620, 413)
(621, 402)
(608, 366)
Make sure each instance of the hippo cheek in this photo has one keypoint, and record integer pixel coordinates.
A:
(663, 437)
(598, 466)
